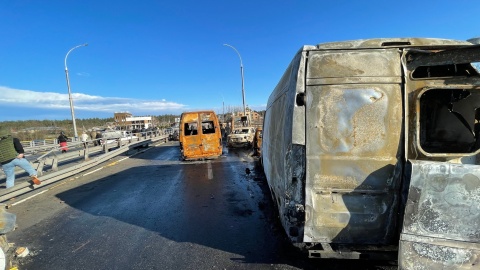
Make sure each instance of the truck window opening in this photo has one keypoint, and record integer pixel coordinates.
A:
(450, 121)
(451, 70)
(208, 127)
(190, 129)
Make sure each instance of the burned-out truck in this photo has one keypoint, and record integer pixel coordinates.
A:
(371, 149)
(200, 136)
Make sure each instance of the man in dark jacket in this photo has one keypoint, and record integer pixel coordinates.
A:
(11, 155)
(62, 140)
(99, 138)
(93, 136)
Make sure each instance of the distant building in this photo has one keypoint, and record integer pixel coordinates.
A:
(126, 121)
(253, 117)
(120, 119)
(139, 122)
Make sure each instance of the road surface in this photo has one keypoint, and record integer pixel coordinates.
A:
(154, 211)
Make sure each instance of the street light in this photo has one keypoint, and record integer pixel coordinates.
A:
(223, 105)
(241, 71)
(69, 93)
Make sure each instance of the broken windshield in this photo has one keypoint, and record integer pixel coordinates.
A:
(240, 131)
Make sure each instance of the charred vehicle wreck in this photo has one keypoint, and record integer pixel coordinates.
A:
(371, 149)
(200, 135)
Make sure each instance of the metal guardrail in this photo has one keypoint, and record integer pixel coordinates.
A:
(36, 146)
(39, 145)
(64, 165)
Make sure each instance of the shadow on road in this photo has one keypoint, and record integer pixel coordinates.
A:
(168, 211)
(179, 202)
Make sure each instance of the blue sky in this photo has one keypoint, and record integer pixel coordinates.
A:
(165, 57)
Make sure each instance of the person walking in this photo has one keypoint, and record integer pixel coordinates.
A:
(84, 138)
(93, 135)
(98, 137)
(62, 140)
(11, 155)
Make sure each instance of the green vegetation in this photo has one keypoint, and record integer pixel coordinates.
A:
(49, 129)
(28, 130)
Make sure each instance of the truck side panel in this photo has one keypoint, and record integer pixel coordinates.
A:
(442, 217)
(283, 148)
(441, 228)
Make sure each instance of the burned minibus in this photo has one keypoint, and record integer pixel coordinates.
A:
(200, 136)
(371, 150)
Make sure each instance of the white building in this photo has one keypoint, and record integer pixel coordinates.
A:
(139, 122)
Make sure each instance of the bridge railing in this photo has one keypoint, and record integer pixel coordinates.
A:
(52, 165)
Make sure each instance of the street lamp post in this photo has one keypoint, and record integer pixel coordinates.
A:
(69, 92)
(241, 71)
(223, 105)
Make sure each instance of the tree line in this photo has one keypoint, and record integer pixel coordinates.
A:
(28, 130)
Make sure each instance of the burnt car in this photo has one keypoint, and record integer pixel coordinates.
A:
(257, 142)
(173, 134)
(371, 149)
(200, 136)
(241, 137)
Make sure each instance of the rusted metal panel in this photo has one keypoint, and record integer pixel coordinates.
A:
(390, 42)
(382, 64)
(442, 91)
(353, 135)
(441, 227)
(460, 55)
(426, 253)
(353, 174)
(283, 147)
(200, 135)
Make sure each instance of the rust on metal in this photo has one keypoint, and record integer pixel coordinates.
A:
(200, 135)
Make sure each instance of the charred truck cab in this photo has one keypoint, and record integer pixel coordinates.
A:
(371, 149)
(200, 135)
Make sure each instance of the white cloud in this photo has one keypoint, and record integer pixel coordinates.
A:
(51, 100)
(84, 74)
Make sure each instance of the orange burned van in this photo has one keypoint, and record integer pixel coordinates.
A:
(200, 135)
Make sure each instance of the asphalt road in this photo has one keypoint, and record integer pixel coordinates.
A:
(154, 211)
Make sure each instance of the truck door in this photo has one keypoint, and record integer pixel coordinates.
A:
(191, 137)
(353, 146)
(441, 227)
(211, 141)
